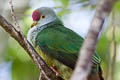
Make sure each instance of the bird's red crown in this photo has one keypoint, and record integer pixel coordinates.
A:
(36, 16)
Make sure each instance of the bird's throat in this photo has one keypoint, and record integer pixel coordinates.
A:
(33, 32)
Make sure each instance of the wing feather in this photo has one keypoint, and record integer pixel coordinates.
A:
(62, 44)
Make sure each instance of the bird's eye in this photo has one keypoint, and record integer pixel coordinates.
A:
(42, 16)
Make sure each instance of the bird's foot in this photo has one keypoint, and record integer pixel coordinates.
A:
(55, 70)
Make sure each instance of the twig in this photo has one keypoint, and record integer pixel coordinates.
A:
(114, 47)
(19, 37)
(14, 17)
(84, 62)
(40, 76)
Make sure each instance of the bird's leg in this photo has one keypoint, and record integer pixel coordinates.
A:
(54, 70)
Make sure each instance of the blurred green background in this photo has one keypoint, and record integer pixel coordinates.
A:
(15, 64)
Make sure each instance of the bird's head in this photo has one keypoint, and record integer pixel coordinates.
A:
(43, 15)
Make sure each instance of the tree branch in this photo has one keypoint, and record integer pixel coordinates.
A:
(84, 61)
(19, 37)
(113, 61)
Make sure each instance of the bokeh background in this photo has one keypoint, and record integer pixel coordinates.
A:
(15, 64)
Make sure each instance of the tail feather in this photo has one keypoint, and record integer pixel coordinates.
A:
(100, 73)
(96, 76)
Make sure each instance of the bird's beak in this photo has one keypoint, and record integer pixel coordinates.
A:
(34, 23)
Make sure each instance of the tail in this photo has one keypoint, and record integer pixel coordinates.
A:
(100, 73)
(94, 75)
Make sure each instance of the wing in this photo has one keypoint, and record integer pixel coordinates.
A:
(62, 44)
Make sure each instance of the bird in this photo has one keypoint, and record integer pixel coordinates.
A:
(58, 45)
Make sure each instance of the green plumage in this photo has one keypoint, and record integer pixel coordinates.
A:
(61, 43)
(58, 45)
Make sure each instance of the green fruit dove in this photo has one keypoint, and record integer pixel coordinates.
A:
(58, 45)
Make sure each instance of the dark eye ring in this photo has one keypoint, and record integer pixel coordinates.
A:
(43, 16)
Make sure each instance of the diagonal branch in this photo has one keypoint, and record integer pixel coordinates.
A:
(19, 37)
(84, 62)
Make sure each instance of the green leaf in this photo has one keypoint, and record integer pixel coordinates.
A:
(63, 12)
(24, 70)
(117, 6)
(64, 3)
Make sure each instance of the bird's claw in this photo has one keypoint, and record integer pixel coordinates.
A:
(55, 70)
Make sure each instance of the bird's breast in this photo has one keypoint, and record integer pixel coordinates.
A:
(33, 32)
